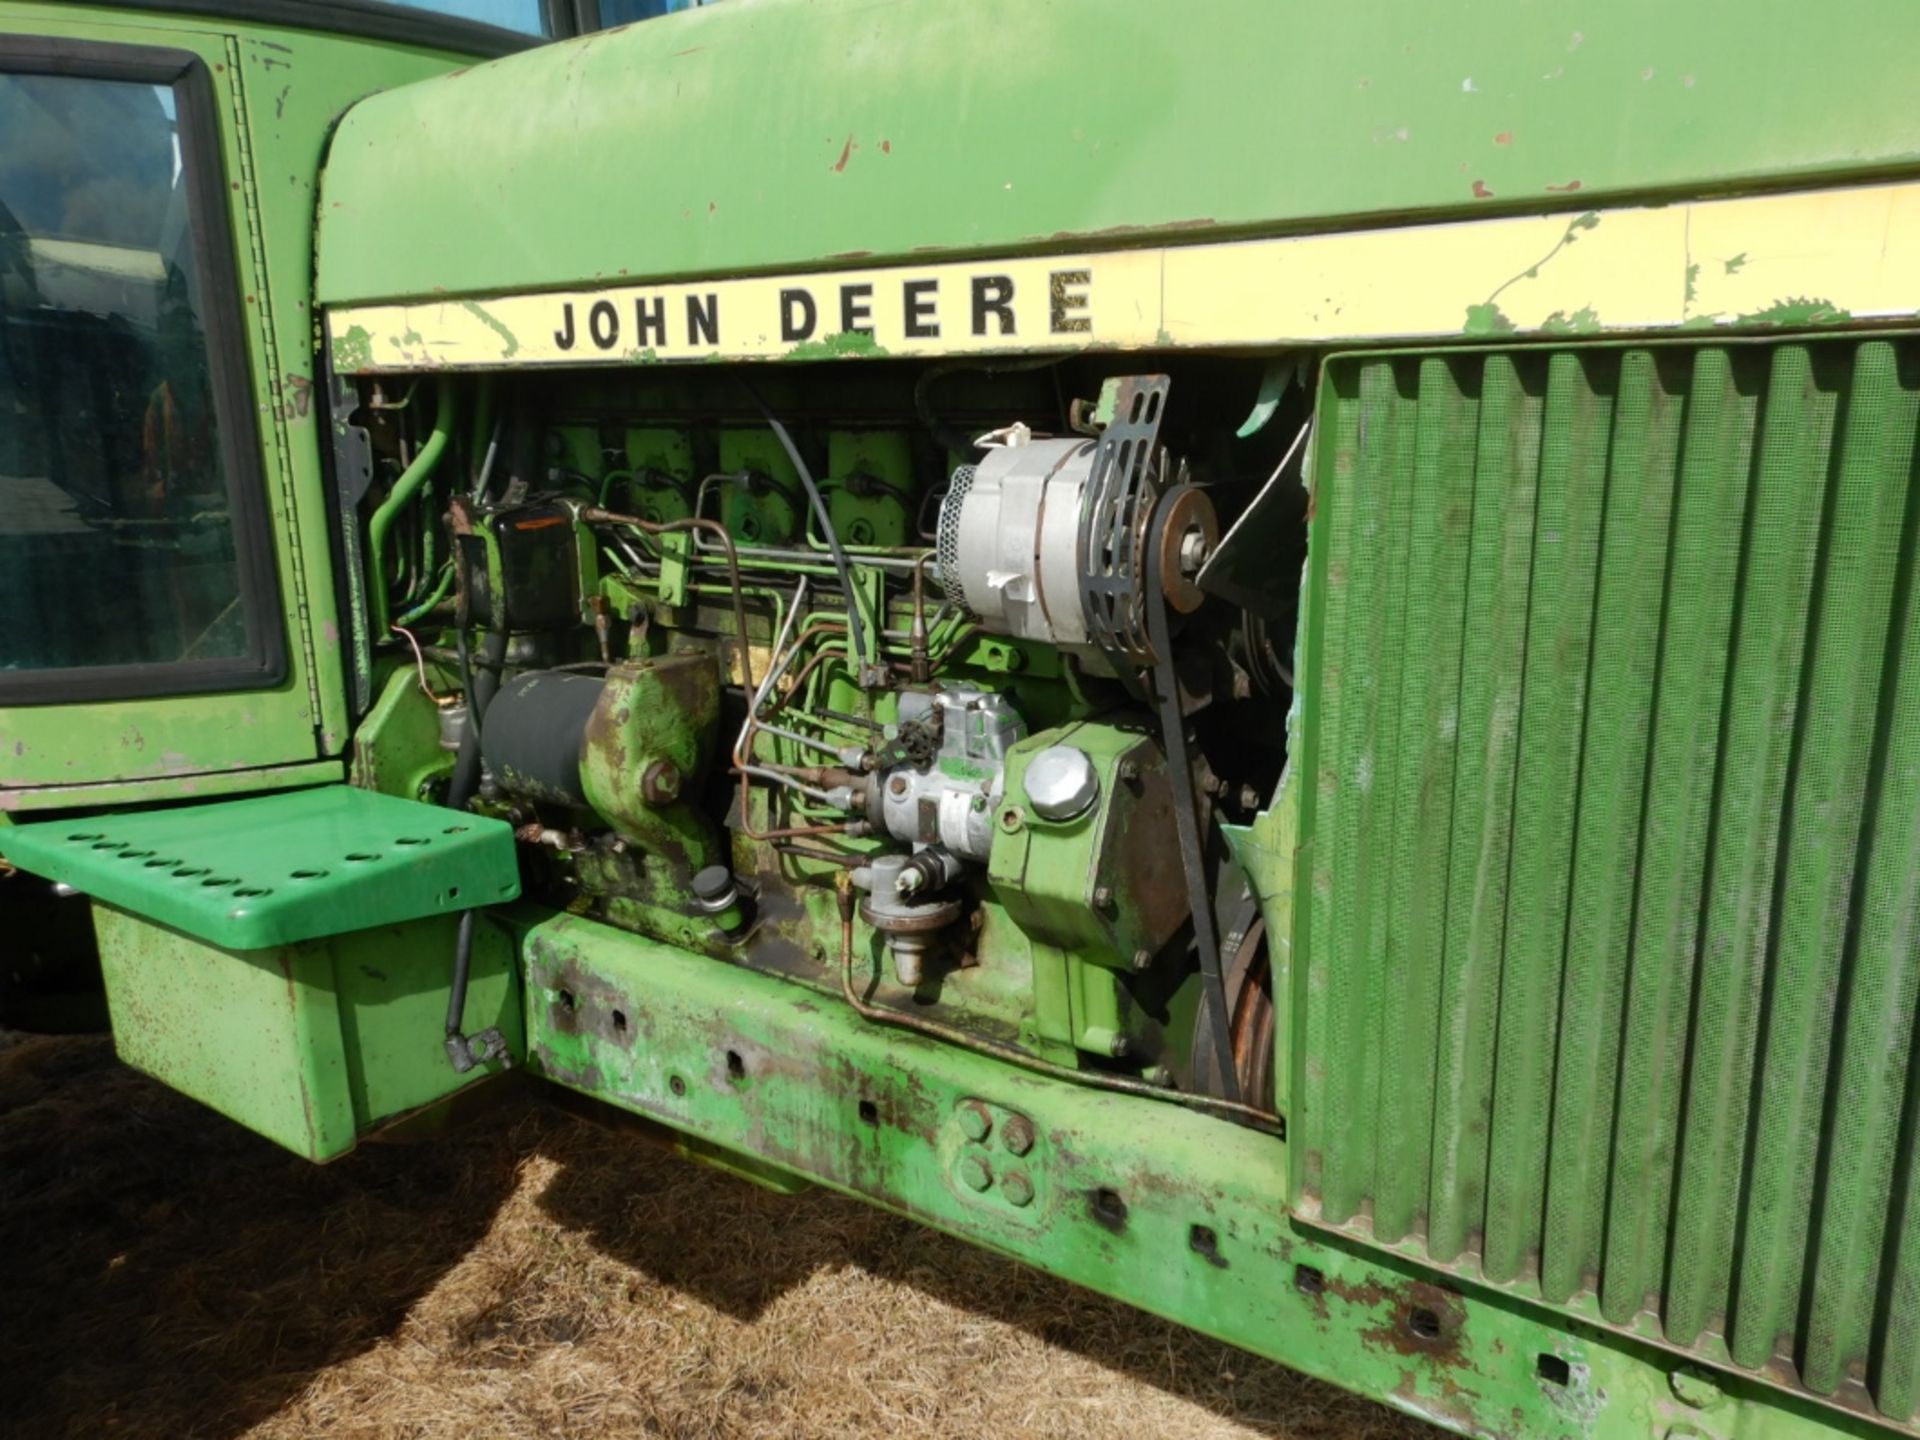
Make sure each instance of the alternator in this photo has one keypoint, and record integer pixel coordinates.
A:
(1047, 539)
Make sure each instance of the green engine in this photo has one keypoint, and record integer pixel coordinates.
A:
(923, 708)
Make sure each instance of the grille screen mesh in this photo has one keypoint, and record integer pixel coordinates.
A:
(1613, 840)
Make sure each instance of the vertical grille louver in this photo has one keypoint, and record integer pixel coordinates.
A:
(1613, 840)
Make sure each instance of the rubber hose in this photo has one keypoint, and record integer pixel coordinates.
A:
(855, 626)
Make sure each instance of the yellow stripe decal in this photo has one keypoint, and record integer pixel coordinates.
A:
(1804, 257)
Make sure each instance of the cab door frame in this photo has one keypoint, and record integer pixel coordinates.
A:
(215, 256)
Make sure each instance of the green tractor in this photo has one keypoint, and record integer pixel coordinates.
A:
(1268, 657)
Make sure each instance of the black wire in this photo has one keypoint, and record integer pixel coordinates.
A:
(462, 967)
(856, 630)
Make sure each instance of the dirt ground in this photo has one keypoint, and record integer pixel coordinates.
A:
(535, 1275)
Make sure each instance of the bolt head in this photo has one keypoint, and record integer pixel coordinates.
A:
(1103, 898)
(1017, 1135)
(1017, 1188)
(975, 1173)
(1120, 1046)
(1142, 959)
(976, 1121)
(898, 785)
(660, 785)
(1695, 1388)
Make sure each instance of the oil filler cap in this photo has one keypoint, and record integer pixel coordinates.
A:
(1061, 783)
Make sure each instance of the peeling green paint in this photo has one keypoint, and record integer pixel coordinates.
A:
(1797, 310)
(1487, 319)
(1734, 265)
(354, 350)
(838, 347)
(1581, 322)
(479, 313)
(1693, 283)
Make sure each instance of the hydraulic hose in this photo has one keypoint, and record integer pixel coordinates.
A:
(425, 462)
(462, 968)
(479, 690)
(841, 568)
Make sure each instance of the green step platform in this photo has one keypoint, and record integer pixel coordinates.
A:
(277, 869)
(287, 959)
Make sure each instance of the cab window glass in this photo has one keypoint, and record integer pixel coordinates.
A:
(528, 17)
(117, 532)
(625, 12)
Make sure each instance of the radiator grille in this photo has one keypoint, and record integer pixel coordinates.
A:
(1613, 845)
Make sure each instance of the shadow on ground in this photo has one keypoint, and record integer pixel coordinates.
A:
(169, 1274)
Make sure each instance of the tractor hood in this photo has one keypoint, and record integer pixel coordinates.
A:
(768, 135)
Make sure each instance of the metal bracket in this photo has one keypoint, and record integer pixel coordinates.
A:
(467, 1052)
(1128, 468)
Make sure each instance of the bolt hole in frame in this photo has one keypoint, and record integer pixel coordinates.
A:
(1204, 1241)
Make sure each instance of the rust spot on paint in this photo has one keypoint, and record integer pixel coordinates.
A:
(846, 154)
(1480, 191)
(886, 147)
(711, 207)
(1566, 189)
(1505, 137)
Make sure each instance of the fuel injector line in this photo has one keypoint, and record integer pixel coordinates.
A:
(594, 515)
(843, 893)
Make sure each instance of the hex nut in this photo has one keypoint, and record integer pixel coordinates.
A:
(1017, 1134)
(1017, 1188)
(976, 1121)
(975, 1173)
(660, 784)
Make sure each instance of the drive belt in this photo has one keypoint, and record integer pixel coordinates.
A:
(1186, 810)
